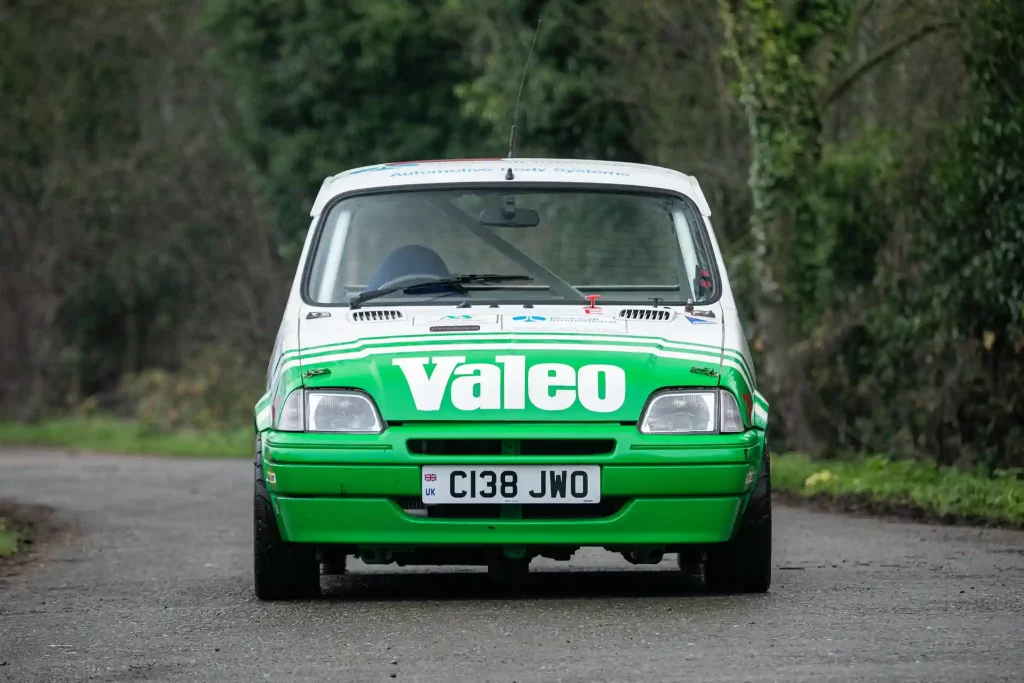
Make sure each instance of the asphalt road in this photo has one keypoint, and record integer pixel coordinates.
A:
(157, 586)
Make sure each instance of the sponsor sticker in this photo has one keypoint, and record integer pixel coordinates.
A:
(383, 167)
(564, 323)
(510, 383)
(457, 319)
(454, 328)
(702, 314)
(698, 321)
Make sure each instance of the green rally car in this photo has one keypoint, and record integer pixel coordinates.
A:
(486, 361)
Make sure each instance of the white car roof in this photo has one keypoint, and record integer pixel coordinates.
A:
(493, 170)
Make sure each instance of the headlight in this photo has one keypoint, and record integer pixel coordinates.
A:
(692, 412)
(292, 416)
(341, 411)
(732, 420)
(348, 412)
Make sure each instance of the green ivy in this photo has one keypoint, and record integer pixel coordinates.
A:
(783, 59)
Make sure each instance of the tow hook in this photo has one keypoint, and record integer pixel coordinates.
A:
(375, 556)
(644, 555)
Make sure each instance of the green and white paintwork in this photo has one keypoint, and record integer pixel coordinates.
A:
(333, 488)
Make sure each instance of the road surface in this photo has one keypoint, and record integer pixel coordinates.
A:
(157, 587)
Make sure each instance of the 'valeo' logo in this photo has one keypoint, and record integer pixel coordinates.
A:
(508, 384)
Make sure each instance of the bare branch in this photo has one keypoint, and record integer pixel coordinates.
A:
(854, 73)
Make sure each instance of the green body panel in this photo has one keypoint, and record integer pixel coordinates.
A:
(331, 488)
(380, 522)
(339, 489)
(378, 376)
(369, 365)
(649, 363)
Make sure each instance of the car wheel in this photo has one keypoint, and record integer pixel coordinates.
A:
(744, 564)
(281, 570)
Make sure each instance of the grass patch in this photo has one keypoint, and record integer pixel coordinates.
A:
(905, 487)
(116, 435)
(9, 539)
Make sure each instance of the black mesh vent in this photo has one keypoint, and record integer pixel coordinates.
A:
(376, 316)
(606, 508)
(515, 447)
(651, 314)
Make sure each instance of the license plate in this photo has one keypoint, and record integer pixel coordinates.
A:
(518, 484)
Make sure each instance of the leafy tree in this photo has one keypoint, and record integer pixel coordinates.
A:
(974, 245)
(567, 109)
(959, 312)
(321, 87)
(791, 59)
(127, 229)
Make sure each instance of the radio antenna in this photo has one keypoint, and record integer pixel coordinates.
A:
(515, 116)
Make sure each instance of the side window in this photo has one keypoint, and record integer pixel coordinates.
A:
(275, 354)
(696, 252)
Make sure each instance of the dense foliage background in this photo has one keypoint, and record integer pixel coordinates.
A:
(864, 161)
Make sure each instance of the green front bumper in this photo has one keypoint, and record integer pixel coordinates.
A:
(339, 489)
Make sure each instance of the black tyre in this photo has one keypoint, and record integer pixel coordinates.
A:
(281, 570)
(744, 564)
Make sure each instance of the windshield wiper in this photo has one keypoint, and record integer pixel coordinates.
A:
(456, 280)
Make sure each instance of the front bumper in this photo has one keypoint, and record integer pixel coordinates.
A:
(347, 489)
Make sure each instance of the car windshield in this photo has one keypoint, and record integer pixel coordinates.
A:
(556, 246)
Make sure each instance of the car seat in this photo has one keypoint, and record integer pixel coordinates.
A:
(411, 263)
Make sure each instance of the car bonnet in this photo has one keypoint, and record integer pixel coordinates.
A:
(546, 363)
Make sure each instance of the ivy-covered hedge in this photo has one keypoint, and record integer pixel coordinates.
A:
(889, 294)
(907, 488)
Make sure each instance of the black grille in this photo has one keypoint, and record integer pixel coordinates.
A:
(606, 508)
(511, 447)
(376, 315)
(645, 314)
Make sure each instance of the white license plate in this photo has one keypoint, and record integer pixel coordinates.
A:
(522, 484)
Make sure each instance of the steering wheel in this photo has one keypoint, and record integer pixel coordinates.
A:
(410, 278)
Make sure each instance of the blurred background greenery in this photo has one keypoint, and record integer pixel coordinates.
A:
(864, 160)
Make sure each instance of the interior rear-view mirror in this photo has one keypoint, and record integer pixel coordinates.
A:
(508, 216)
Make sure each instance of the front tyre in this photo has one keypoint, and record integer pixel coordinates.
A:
(281, 570)
(744, 564)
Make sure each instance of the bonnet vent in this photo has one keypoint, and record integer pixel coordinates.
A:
(377, 315)
(650, 314)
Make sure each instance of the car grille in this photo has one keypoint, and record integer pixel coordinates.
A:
(376, 315)
(511, 447)
(648, 314)
(606, 508)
